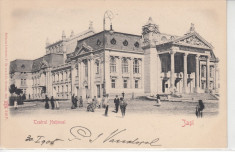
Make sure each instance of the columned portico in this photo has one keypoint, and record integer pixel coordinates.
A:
(207, 74)
(197, 73)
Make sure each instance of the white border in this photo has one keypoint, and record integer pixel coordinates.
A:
(231, 72)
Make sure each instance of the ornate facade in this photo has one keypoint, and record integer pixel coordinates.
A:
(92, 64)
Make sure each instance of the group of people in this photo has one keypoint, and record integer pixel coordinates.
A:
(104, 103)
(54, 103)
(75, 102)
(122, 103)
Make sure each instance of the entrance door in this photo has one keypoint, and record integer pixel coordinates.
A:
(98, 91)
(86, 87)
(163, 86)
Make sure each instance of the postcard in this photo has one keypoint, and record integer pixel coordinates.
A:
(113, 74)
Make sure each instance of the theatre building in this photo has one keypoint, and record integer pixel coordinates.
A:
(110, 62)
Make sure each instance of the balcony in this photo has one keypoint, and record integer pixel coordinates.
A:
(179, 75)
(191, 76)
(137, 75)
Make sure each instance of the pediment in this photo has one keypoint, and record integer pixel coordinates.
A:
(82, 49)
(193, 40)
(43, 64)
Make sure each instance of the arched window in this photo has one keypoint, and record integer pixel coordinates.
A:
(136, 66)
(112, 64)
(124, 65)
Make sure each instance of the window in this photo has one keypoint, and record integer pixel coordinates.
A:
(23, 81)
(113, 83)
(97, 67)
(124, 65)
(125, 43)
(136, 84)
(136, 66)
(124, 83)
(137, 44)
(112, 65)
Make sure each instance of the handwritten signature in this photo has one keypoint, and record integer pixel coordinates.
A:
(78, 133)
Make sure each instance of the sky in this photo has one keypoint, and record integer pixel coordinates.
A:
(29, 24)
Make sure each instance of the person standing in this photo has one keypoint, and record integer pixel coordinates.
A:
(116, 102)
(76, 102)
(200, 108)
(47, 104)
(158, 99)
(106, 102)
(73, 102)
(52, 103)
(80, 102)
(123, 105)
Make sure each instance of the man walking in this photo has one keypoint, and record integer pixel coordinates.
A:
(106, 104)
(116, 101)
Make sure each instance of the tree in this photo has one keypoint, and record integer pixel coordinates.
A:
(18, 91)
(13, 88)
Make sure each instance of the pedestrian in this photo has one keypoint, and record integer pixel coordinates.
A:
(73, 102)
(76, 101)
(15, 102)
(116, 102)
(95, 101)
(123, 105)
(200, 107)
(80, 102)
(52, 103)
(106, 102)
(47, 104)
(158, 99)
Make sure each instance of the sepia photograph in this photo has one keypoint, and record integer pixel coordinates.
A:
(113, 74)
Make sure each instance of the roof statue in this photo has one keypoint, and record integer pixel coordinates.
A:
(91, 25)
(72, 33)
(63, 35)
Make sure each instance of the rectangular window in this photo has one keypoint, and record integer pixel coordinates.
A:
(112, 65)
(124, 83)
(136, 84)
(22, 82)
(124, 65)
(113, 83)
(136, 66)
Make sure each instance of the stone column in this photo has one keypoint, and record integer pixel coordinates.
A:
(92, 85)
(197, 74)
(159, 69)
(185, 88)
(207, 74)
(172, 77)
(215, 76)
